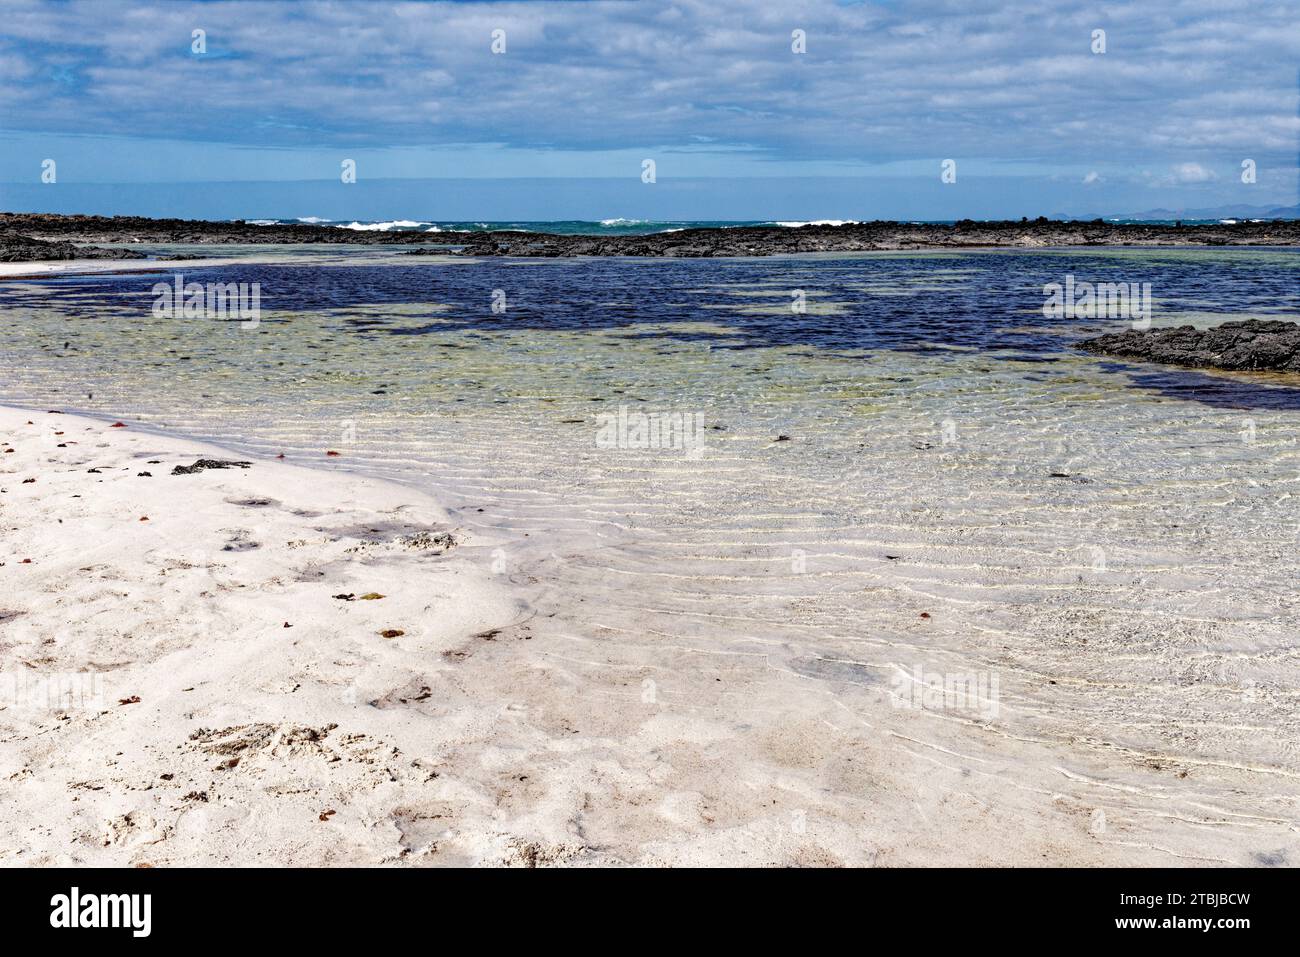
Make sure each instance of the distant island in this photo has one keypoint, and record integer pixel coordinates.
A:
(1234, 211)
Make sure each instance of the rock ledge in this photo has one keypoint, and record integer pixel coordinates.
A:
(1248, 345)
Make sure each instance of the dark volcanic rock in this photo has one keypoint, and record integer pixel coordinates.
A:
(1252, 344)
(703, 242)
(204, 464)
(141, 229)
(880, 235)
(24, 249)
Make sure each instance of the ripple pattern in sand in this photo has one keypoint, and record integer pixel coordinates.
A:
(741, 636)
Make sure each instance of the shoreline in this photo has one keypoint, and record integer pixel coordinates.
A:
(54, 269)
(486, 738)
(47, 269)
(675, 661)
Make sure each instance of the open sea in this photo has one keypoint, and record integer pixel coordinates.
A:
(610, 227)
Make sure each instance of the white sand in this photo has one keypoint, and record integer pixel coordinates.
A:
(633, 656)
(249, 254)
(553, 713)
(187, 612)
(86, 267)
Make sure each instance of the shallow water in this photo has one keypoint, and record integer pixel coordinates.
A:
(1116, 542)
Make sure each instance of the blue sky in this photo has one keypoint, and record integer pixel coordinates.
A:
(558, 125)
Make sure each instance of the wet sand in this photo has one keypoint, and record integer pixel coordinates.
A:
(749, 690)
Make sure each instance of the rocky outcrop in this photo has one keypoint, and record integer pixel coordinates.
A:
(693, 243)
(1249, 345)
(24, 249)
(860, 237)
(141, 229)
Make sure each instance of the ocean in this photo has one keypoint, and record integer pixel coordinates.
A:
(617, 226)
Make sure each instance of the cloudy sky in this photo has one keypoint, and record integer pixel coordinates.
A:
(738, 124)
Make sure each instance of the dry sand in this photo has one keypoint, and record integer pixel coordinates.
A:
(224, 706)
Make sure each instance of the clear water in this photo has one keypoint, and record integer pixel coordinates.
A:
(921, 439)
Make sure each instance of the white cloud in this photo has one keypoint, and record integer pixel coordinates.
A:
(1188, 86)
(1092, 177)
(1192, 173)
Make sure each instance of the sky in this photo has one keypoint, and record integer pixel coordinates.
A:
(557, 121)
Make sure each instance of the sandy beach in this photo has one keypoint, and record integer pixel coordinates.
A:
(85, 267)
(200, 668)
(969, 597)
(449, 437)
